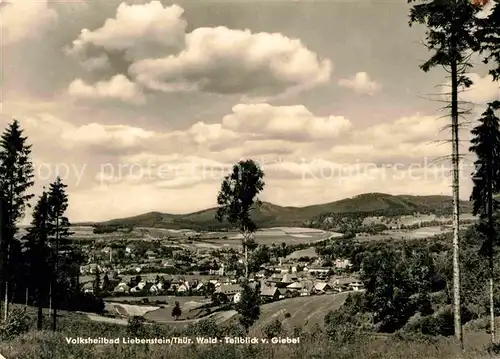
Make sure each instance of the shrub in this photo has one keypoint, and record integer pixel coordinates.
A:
(135, 326)
(17, 323)
(274, 329)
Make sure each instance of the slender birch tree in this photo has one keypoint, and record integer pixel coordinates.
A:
(237, 197)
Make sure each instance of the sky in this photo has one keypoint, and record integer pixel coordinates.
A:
(146, 105)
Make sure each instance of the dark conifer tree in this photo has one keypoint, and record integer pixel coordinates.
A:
(16, 177)
(37, 253)
(486, 179)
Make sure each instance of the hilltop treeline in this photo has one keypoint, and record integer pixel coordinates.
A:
(111, 228)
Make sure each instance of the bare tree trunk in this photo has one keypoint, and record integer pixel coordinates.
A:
(3, 239)
(27, 297)
(491, 250)
(456, 198)
(492, 312)
(245, 249)
(50, 295)
(6, 294)
(6, 301)
(55, 276)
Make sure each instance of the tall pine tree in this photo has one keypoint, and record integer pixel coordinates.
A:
(37, 253)
(450, 37)
(59, 237)
(486, 179)
(16, 177)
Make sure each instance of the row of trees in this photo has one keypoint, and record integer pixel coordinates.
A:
(41, 267)
(454, 34)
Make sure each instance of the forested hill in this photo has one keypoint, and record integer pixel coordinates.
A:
(271, 215)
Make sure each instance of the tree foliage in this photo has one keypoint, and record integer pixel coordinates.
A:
(249, 305)
(485, 144)
(16, 178)
(176, 311)
(237, 197)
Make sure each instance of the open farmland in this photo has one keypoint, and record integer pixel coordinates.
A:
(305, 312)
(309, 252)
(288, 235)
(127, 310)
(419, 233)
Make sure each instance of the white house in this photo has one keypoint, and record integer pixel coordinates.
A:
(199, 286)
(305, 292)
(295, 286)
(356, 286)
(322, 287)
(317, 270)
(237, 297)
(88, 287)
(222, 270)
(343, 263)
(129, 249)
(230, 290)
(121, 288)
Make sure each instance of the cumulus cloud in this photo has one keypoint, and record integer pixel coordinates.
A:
(141, 31)
(24, 19)
(482, 91)
(397, 155)
(226, 61)
(361, 84)
(52, 131)
(119, 87)
(410, 129)
(163, 57)
(295, 123)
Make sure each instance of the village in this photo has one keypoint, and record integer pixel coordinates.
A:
(148, 270)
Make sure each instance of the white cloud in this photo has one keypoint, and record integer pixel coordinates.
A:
(24, 19)
(410, 129)
(217, 60)
(294, 123)
(181, 171)
(483, 90)
(51, 131)
(222, 60)
(96, 63)
(142, 31)
(118, 88)
(361, 84)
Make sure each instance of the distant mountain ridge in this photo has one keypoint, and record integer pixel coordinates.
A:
(271, 215)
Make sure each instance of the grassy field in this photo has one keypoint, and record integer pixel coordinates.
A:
(288, 235)
(304, 312)
(314, 343)
(419, 233)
